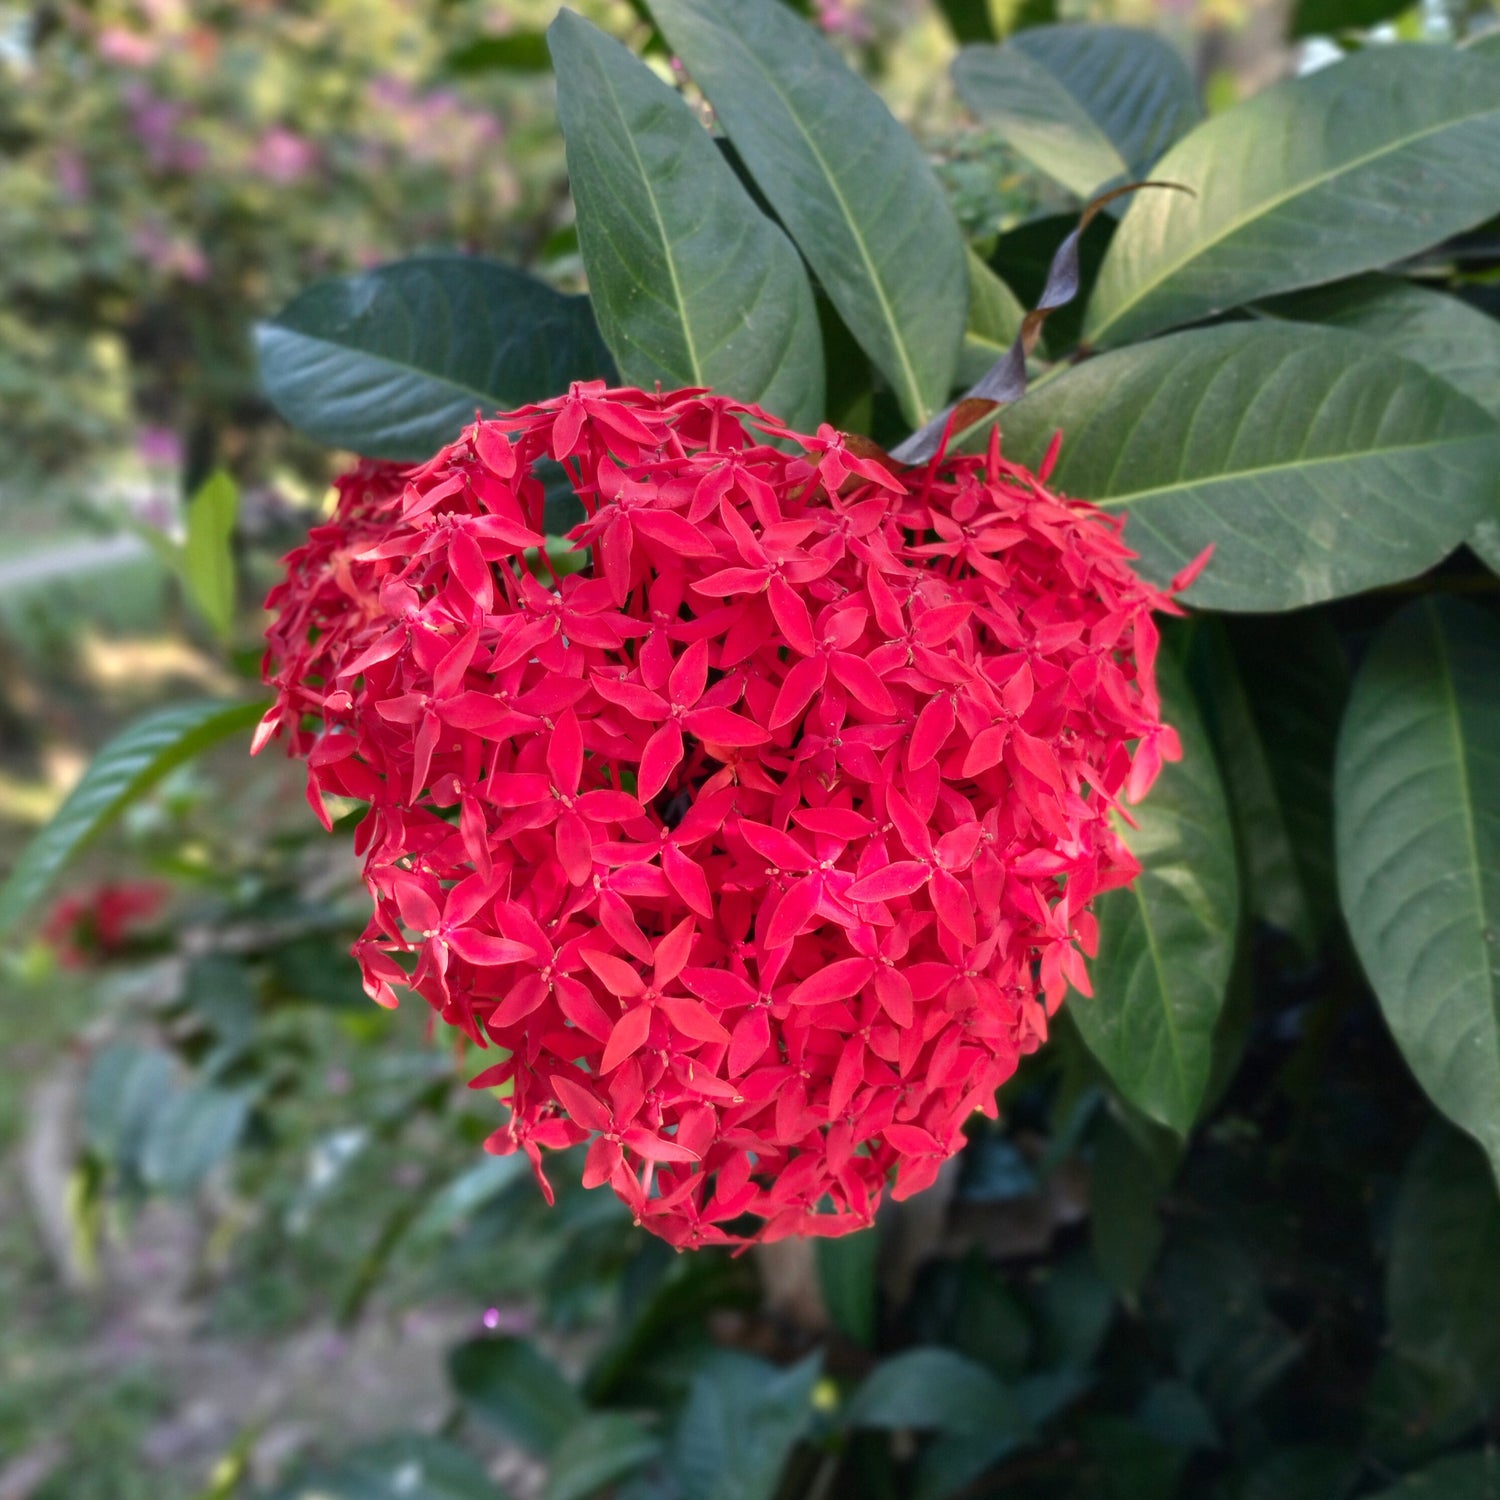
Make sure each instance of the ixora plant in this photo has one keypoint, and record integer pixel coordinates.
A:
(762, 820)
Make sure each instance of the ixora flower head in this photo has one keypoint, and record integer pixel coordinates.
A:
(760, 847)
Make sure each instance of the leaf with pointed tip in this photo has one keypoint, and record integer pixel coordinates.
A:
(1085, 104)
(1375, 158)
(1166, 942)
(1293, 451)
(207, 556)
(393, 363)
(853, 188)
(127, 767)
(1417, 829)
(692, 283)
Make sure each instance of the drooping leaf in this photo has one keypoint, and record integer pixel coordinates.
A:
(127, 767)
(1087, 105)
(846, 1274)
(393, 363)
(1345, 169)
(1417, 826)
(207, 560)
(1460, 1476)
(693, 285)
(601, 1452)
(511, 1385)
(1293, 451)
(1274, 689)
(1443, 1281)
(852, 187)
(408, 1467)
(1023, 255)
(741, 1421)
(1166, 942)
(937, 1390)
(1441, 333)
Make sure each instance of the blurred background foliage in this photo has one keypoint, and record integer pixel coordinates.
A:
(245, 1226)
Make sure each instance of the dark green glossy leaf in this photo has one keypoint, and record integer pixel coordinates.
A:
(1085, 104)
(207, 561)
(600, 1452)
(853, 188)
(1461, 1476)
(127, 767)
(1167, 942)
(742, 1419)
(394, 363)
(1444, 334)
(1443, 1283)
(934, 1389)
(1417, 821)
(1274, 689)
(1345, 169)
(1293, 451)
(1455, 341)
(410, 1467)
(846, 1274)
(511, 1385)
(693, 285)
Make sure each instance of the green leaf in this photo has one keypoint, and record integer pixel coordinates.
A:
(1125, 1230)
(510, 1384)
(938, 1390)
(1087, 105)
(693, 285)
(1167, 942)
(995, 316)
(1443, 1283)
(408, 1467)
(1460, 1476)
(516, 52)
(1274, 688)
(1329, 17)
(1293, 451)
(602, 1451)
(191, 1133)
(1417, 825)
(846, 1274)
(127, 767)
(968, 20)
(1305, 1472)
(124, 1090)
(394, 363)
(854, 190)
(741, 1421)
(1342, 170)
(1456, 342)
(468, 1192)
(207, 559)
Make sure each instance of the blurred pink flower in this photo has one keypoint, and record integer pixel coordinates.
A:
(844, 18)
(170, 254)
(283, 157)
(159, 447)
(128, 48)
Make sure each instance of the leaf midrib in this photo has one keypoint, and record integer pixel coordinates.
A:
(919, 405)
(1269, 205)
(1466, 803)
(1156, 492)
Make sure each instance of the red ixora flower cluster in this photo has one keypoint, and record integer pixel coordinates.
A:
(101, 923)
(762, 845)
